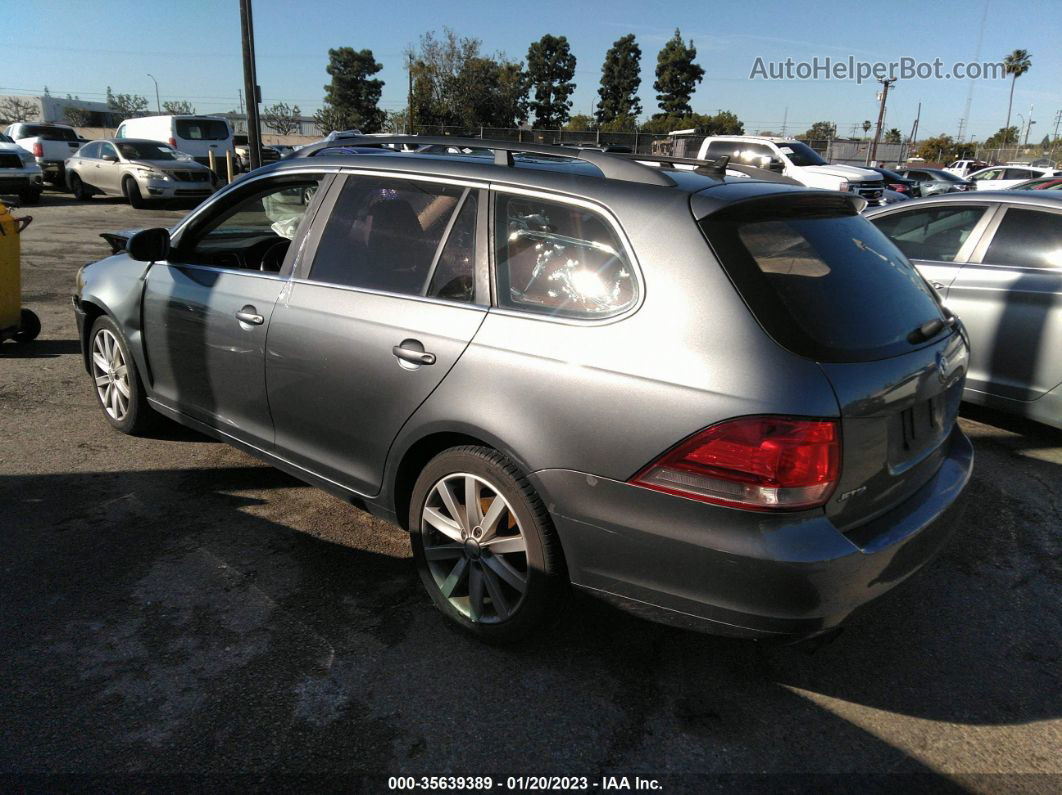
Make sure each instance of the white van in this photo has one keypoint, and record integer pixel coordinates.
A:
(193, 135)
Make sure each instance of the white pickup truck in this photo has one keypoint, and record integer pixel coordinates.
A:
(794, 159)
(50, 145)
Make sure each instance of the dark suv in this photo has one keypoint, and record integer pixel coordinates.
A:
(712, 400)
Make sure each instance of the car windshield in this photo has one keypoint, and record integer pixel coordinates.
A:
(814, 277)
(4, 139)
(48, 133)
(145, 150)
(202, 129)
(801, 154)
(945, 176)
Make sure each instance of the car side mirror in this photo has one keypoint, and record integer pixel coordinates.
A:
(149, 245)
(110, 158)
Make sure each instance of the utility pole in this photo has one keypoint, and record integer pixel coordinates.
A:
(1054, 140)
(409, 100)
(1028, 127)
(158, 107)
(886, 83)
(239, 91)
(914, 131)
(250, 84)
(785, 118)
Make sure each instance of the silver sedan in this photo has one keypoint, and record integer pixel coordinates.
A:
(139, 170)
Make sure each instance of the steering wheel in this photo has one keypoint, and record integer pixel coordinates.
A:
(273, 258)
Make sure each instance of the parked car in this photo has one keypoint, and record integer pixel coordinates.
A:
(712, 418)
(891, 197)
(899, 184)
(19, 172)
(996, 260)
(932, 181)
(243, 156)
(50, 145)
(197, 136)
(963, 168)
(1000, 177)
(1040, 183)
(793, 159)
(283, 150)
(140, 170)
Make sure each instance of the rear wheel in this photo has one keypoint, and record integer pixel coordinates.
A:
(484, 544)
(77, 187)
(119, 389)
(132, 193)
(29, 326)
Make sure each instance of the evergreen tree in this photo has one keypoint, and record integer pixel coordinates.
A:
(352, 97)
(677, 76)
(550, 70)
(620, 79)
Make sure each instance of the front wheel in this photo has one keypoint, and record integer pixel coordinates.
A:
(133, 194)
(119, 390)
(484, 544)
(29, 326)
(77, 187)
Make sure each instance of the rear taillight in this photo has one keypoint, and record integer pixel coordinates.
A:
(172, 142)
(899, 188)
(38, 149)
(756, 463)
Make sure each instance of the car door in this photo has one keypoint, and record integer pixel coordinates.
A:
(937, 237)
(993, 179)
(108, 170)
(1010, 299)
(84, 163)
(207, 310)
(395, 290)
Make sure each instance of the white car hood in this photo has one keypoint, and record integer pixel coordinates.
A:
(850, 173)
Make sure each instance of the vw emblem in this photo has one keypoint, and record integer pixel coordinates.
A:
(942, 367)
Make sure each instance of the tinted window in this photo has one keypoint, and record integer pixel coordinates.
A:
(1027, 238)
(824, 284)
(560, 259)
(89, 151)
(202, 129)
(107, 149)
(1019, 173)
(48, 133)
(930, 233)
(801, 154)
(454, 276)
(143, 150)
(384, 233)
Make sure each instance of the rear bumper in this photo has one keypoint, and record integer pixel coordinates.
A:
(738, 572)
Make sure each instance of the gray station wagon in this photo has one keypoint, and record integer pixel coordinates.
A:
(715, 401)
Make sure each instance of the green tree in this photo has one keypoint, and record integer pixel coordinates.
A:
(942, 149)
(126, 106)
(866, 127)
(1016, 64)
(893, 136)
(623, 123)
(620, 79)
(722, 123)
(677, 76)
(76, 117)
(1004, 136)
(181, 108)
(580, 122)
(281, 118)
(821, 131)
(550, 70)
(352, 98)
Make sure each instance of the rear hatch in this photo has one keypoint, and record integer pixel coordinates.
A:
(826, 285)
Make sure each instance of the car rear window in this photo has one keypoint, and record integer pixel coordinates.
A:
(202, 129)
(49, 133)
(823, 282)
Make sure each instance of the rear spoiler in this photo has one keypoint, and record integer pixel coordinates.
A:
(117, 240)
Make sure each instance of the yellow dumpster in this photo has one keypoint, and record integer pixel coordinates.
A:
(16, 323)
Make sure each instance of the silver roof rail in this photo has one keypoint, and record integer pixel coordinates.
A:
(610, 165)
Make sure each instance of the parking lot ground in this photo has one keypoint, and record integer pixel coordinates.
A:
(169, 605)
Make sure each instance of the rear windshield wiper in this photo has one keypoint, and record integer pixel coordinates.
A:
(930, 329)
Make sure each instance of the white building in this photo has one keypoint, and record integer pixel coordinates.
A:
(50, 108)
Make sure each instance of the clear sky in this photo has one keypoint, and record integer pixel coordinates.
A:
(193, 49)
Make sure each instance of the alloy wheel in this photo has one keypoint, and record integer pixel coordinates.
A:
(475, 548)
(111, 374)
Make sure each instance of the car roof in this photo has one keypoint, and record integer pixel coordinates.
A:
(1027, 197)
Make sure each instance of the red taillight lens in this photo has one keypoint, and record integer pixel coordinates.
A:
(38, 149)
(756, 463)
(899, 188)
(173, 142)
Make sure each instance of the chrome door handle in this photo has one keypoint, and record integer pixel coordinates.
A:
(412, 356)
(250, 317)
(936, 285)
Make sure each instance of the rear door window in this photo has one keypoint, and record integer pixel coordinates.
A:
(1027, 238)
(560, 259)
(822, 282)
(931, 233)
(202, 129)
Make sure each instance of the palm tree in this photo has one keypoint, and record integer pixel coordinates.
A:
(1016, 64)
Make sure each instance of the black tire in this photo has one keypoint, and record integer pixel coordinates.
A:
(132, 193)
(29, 196)
(138, 416)
(77, 187)
(540, 564)
(29, 326)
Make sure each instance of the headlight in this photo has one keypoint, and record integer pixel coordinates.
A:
(26, 158)
(151, 173)
(843, 186)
